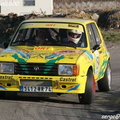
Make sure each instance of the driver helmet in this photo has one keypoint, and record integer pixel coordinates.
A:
(74, 35)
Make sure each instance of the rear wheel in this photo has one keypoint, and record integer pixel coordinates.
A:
(87, 97)
(105, 83)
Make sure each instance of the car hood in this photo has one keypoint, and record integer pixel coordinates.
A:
(39, 54)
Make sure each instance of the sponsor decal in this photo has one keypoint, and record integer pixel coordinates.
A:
(25, 50)
(63, 52)
(74, 88)
(21, 60)
(6, 77)
(50, 24)
(97, 62)
(73, 25)
(89, 55)
(52, 62)
(68, 79)
(52, 56)
(102, 69)
(41, 48)
(2, 88)
(26, 25)
(23, 54)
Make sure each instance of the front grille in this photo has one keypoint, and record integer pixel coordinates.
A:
(36, 82)
(36, 69)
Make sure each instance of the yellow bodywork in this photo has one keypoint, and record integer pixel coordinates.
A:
(84, 57)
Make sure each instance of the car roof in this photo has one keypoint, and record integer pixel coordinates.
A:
(64, 20)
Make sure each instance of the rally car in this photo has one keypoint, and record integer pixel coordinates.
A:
(56, 56)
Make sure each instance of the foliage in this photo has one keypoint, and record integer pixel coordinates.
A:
(111, 35)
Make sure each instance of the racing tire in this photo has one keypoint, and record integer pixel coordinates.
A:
(87, 97)
(104, 84)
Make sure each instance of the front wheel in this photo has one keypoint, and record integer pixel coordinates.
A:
(105, 83)
(87, 97)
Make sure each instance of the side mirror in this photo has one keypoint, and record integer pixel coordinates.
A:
(96, 47)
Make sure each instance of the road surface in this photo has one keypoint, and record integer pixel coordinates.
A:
(66, 107)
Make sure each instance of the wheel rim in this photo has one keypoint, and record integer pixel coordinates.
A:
(109, 76)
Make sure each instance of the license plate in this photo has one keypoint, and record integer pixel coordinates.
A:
(36, 88)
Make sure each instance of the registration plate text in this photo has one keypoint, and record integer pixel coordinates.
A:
(36, 88)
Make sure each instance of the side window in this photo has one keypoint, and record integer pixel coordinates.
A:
(97, 36)
(91, 36)
(29, 2)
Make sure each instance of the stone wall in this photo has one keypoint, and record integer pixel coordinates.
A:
(87, 5)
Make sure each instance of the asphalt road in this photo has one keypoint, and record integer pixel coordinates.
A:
(106, 106)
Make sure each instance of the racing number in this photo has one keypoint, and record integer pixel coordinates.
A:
(97, 62)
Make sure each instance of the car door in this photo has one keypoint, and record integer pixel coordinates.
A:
(96, 48)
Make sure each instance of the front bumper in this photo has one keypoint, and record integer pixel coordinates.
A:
(60, 84)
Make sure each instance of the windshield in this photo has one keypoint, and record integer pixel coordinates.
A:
(31, 35)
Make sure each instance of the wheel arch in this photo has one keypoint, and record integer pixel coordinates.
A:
(91, 68)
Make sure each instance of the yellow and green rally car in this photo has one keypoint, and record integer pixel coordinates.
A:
(56, 55)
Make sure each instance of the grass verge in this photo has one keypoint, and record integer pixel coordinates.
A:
(111, 35)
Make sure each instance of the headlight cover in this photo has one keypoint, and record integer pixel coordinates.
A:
(6, 68)
(68, 70)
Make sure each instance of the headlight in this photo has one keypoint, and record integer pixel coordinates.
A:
(68, 70)
(6, 68)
